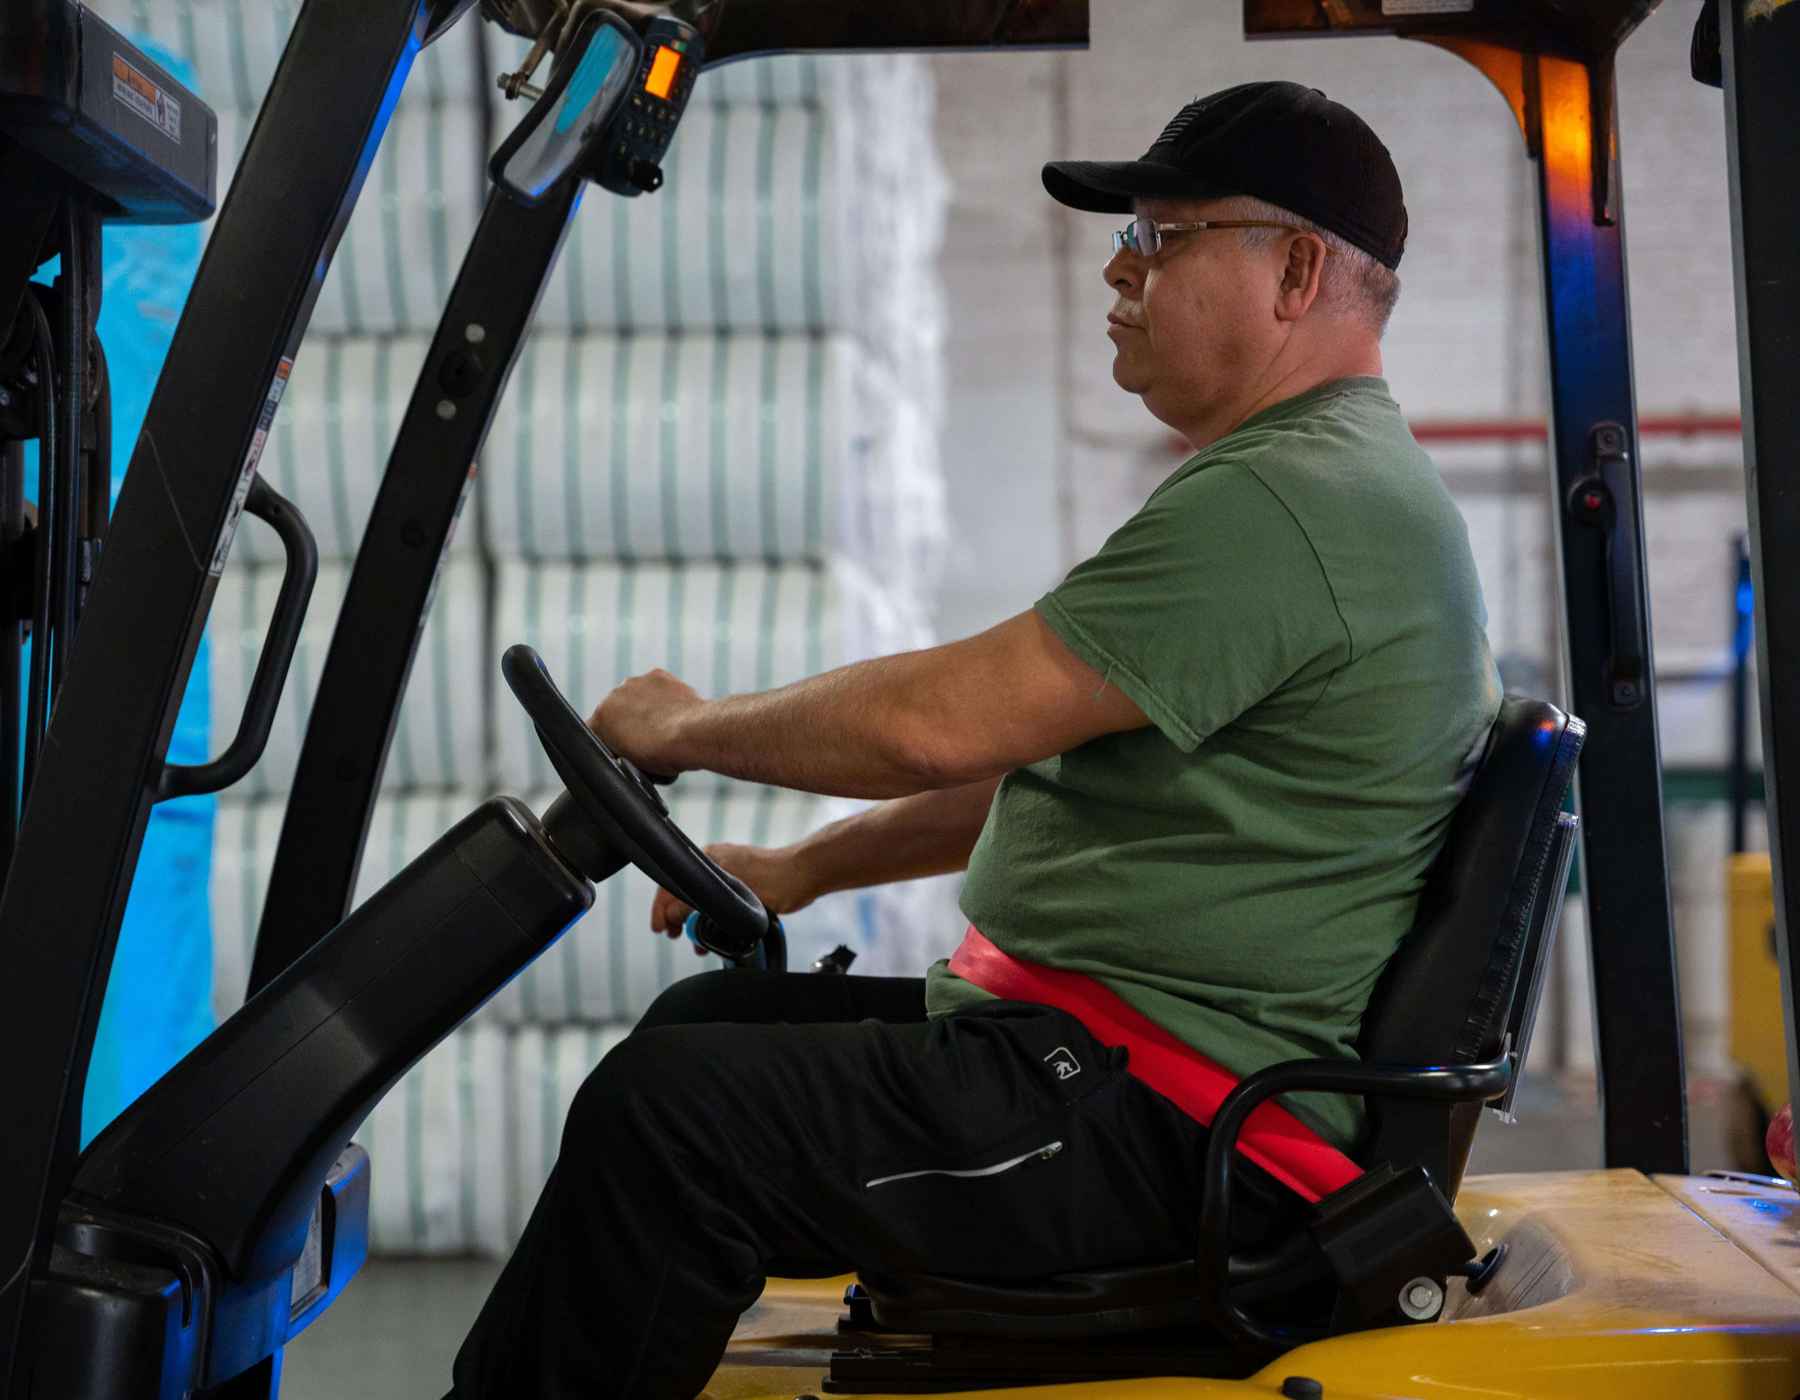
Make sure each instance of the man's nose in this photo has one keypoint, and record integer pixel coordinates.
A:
(1124, 272)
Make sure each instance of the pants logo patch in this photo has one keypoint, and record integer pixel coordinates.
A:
(1065, 1064)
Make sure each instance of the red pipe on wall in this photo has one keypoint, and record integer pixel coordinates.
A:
(1535, 430)
(1528, 430)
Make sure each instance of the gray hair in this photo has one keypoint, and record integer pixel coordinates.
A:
(1356, 285)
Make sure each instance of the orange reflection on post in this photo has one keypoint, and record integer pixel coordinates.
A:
(1568, 127)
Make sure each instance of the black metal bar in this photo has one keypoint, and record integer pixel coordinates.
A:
(33, 191)
(37, 705)
(83, 823)
(1743, 637)
(746, 27)
(422, 490)
(80, 242)
(1624, 868)
(96, 509)
(1762, 125)
(12, 528)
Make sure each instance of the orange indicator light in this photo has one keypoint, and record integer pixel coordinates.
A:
(662, 72)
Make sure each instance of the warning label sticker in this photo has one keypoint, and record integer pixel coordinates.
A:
(146, 98)
(1426, 7)
(248, 473)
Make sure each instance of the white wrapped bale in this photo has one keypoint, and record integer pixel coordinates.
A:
(885, 102)
(737, 447)
(610, 966)
(245, 835)
(438, 740)
(440, 1168)
(235, 46)
(903, 519)
(723, 628)
(831, 80)
(328, 447)
(766, 222)
(412, 224)
(546, 1069)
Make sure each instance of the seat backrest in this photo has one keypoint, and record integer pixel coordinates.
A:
(1464, 981)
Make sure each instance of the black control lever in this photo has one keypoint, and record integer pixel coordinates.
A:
(1606, 500)
(836, 963)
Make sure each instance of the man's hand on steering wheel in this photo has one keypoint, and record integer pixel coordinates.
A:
(641, 721)
(774, 874)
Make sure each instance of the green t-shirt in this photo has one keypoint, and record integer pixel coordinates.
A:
(1297, 612)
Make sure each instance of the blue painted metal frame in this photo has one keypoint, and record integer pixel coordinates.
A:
(1624, 855)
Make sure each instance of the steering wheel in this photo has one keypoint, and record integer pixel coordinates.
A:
(630, 814)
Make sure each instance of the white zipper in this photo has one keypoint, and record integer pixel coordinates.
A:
(1037, 1154)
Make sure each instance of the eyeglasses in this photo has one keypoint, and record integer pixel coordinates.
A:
(1145, 236)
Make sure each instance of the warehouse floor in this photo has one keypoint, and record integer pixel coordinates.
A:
(394, 1333)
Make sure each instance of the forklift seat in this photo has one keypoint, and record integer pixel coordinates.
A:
(1445, 1032)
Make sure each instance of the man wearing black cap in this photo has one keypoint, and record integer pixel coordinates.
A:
(1202, 779)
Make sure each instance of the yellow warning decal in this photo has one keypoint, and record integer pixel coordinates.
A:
(145, 97)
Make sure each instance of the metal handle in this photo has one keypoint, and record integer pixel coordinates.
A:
(1606, 500)
(183, 780)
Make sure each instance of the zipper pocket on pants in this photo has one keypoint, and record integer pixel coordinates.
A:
(1037, 1154)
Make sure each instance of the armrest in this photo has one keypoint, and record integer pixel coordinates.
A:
(1476, 1083)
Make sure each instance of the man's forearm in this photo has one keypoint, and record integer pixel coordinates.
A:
(864, 730)
(907, 838)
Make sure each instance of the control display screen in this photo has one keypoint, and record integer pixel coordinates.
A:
(663, 69)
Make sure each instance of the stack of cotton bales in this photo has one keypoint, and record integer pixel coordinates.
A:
(718, 455)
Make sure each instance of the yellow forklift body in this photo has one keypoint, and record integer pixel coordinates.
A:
(1758, 1043)
(1615, 1285)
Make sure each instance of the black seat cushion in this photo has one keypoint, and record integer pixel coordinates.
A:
(1444, 995)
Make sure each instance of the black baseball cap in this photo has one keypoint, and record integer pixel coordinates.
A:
(1280, 142)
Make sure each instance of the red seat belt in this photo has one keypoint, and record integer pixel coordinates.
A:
(1273, 1138)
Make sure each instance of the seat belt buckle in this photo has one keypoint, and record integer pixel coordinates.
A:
(1392, 1240)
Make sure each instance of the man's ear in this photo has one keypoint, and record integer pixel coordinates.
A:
(1301, 276)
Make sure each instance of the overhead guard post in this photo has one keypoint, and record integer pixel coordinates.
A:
(428, 476)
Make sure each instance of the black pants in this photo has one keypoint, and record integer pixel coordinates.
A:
(803, 1126)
